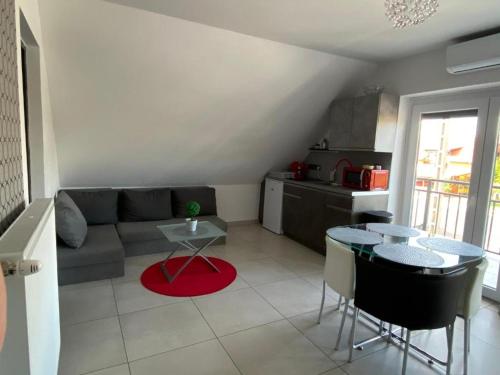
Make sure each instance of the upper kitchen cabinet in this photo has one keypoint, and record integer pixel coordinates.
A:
(364, 123)
(341, 123)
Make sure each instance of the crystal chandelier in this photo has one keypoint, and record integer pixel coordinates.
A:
(405, 13)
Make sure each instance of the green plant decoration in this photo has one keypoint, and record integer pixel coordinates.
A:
(192, 209)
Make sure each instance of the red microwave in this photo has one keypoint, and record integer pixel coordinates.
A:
(365, 179)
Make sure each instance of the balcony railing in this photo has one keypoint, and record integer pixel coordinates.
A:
(439, 207)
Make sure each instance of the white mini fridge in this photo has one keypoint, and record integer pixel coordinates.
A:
(273, 204)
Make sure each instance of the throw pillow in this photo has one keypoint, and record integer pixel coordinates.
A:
(204, 195)
(98, 206)
(71, 226)
(145, 205)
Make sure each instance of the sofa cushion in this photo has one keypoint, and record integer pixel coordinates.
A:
(102, 245)
(204, 195)
(98, 206)
(145, 205)
(71, 226)
(147, 230)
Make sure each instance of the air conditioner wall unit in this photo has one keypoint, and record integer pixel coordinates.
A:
(474, 55)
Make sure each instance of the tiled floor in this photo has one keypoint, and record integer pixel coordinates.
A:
(264, 323)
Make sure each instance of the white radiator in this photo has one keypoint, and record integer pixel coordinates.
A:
(33, 339)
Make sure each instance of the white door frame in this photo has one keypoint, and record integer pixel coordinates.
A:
(488, 105)
(443, 105)
(485, 181)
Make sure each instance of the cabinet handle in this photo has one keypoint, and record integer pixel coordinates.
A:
(338, 208)
(292, 195)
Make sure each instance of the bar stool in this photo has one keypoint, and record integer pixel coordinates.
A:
(338, 275)
(415, 301)
(470, 303)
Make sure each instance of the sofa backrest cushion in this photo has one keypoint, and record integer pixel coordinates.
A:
(204, 195)
(98, 206)
(145, 205)
(71, 226)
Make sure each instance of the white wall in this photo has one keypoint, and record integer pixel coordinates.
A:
(238, 202)
(427, 73)
(143, 99)
(48, 167)
(146, 99)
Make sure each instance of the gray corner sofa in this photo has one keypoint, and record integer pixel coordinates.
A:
(123, 222)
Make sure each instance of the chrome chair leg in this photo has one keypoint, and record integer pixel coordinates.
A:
(468, 335)
(339, 335)
(322, 302)
(381, 328)
(466, 345)
(340, 303)
(389, 333)
(407, 347)
(353, 332)
(449, 336)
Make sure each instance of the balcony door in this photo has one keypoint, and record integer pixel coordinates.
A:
(487, 215)
(453, 175)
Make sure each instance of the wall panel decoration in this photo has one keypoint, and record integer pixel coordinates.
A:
(11, 163)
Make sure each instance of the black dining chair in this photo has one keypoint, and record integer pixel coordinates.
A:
(412, 300)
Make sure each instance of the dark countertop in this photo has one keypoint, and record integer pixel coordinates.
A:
(325, 186)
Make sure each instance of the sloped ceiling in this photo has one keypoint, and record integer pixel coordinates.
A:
(356, 28)
(146, 99)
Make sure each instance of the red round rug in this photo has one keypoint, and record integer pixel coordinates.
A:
(197, 279)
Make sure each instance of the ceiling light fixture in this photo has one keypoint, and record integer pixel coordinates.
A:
(405, 13)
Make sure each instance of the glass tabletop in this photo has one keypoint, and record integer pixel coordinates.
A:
(450, 257)
(179, 232)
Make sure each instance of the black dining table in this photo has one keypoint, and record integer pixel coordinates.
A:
(405, 246)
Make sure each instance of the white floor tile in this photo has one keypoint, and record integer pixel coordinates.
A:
(253, 233)
(388, 361)
(275, 273)
(85, 304)
(335, 371)
(91, 346)
(133, 296)
(301, 266)
(135, 266)
(485, 324)
(207, 358)
(263, 271)
(281, 246)
(495, 307)
(324, 335)
(236, 253)
(276, 348)
(483, 357)
(316, 279)
(293, 297)
(234, 311)
(237, 284)
(117, 370)
(89, 284)
(163, 328)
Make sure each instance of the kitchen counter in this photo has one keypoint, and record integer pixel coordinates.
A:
(326, 186)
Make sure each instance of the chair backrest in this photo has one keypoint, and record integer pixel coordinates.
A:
(339, 268)
(469, 302)
(409, 299)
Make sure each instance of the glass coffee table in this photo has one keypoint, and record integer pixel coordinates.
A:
(178, 233)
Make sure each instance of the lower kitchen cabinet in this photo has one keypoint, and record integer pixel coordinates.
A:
(308, 213)
(293, 213)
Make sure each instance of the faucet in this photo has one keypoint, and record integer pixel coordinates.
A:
(334, 171)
